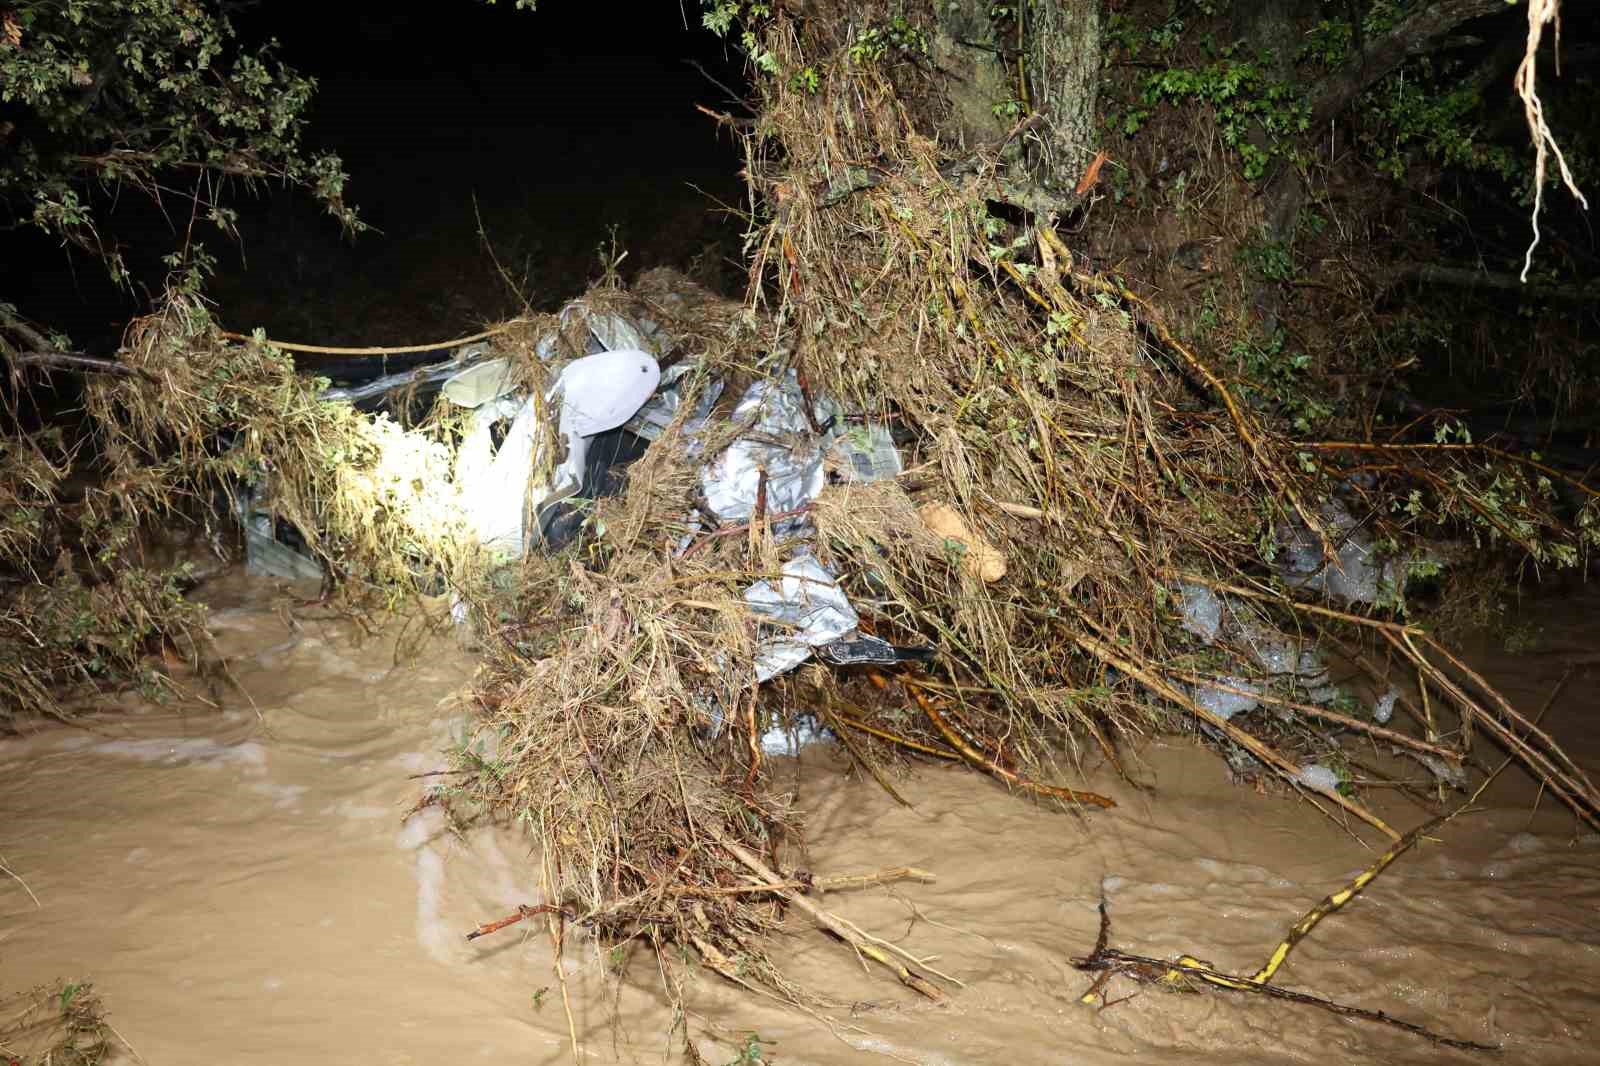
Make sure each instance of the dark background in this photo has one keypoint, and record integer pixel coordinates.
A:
(555, 127)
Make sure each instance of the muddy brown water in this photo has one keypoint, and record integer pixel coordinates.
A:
(241, 889)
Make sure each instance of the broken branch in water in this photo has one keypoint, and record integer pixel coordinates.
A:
(523, 911)
(878, 951)
(1188, 972)
(807, 884)
(895, 738)
(1109, 961)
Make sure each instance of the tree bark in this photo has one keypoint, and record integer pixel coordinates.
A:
(981, 76)
(1058, 60)
(1064, 84)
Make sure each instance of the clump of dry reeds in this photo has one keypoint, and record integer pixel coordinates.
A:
(375, 501)
(1071, 434)
(62, 1024)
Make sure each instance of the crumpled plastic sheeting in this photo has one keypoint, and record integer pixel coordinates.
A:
(811, 607)
(654, 417)
(1360, 577)
(1226, 704)
(779, 442)
(866, 453)
(591, 395)
(607, 333)
(1202, 611)
(1319, 777)
(494, 484)
(1383, 710)
(1205, 615)
(781, 740)
(1277, 655)
(1454, 776)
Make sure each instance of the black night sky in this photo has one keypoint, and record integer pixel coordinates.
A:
(553, 127)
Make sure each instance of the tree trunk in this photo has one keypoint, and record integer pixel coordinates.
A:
(980, 76)
(1057, 59)
(1064, 83)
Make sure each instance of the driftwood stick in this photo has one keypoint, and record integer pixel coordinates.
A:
(77, 361)
(912, 980)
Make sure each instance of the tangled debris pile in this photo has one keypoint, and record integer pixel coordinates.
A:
(929, 435)
(1067, 468)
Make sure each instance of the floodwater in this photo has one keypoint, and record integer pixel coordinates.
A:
(241, 887)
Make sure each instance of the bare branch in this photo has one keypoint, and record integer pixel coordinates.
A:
(1383, 55)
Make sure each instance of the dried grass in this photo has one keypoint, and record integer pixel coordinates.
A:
(62, 1025)
(1047, 406)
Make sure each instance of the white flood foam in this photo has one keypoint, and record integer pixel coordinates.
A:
(353, 810)
(249, 755)
(435, 936)
(284, 797)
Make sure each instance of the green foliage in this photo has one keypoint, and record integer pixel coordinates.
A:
(1327, 44)
(153, 94)
(750, 1054)
(1122, 33)
(1498, 505)
(721, 16)
(1431, 109)
(1008, 110)
(897, 35)
(76, 631)
(1271, 260)
(1411, 117)
(1257, 114)
(1281, 380)
(807, 80)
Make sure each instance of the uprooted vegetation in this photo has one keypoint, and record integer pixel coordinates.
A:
(1070, 431)
(1096, 478)
(62, 1025)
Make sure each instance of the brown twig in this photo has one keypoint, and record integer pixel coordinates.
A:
(831, 718)
(523, 912)
(1289, 602)
(971, 754)
(88, 364)
(1449, 446)
(406, 349)
(1576, 793)
(1109, 655)
(1372, 728)
(833, 924)
(896, 738)
(742, 527)
(840, 883)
